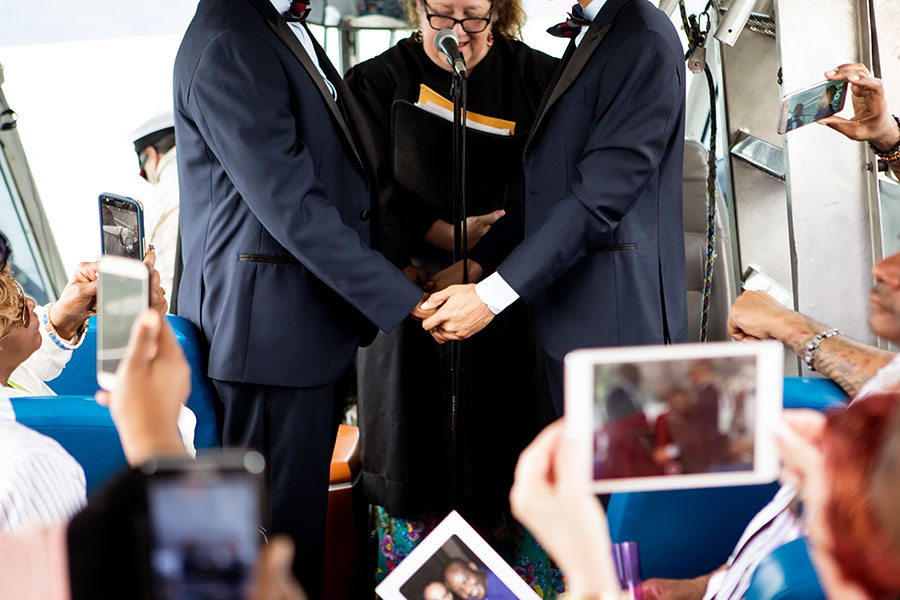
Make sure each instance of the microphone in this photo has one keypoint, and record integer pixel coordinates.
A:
(447, 42)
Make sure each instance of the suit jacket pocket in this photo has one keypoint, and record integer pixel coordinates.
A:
(614, 247)
(268, 259)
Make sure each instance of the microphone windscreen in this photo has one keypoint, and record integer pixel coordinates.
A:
(442, 35)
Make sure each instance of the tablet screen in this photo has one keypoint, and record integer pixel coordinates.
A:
(657, 413)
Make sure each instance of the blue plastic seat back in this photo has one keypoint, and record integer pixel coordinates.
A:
(786, 574)
(79, 378)
(686, 533)
(81, 426)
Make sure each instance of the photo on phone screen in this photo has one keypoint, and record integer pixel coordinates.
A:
(204, 534)
(122, 294)
(812, 104)
(121, 223)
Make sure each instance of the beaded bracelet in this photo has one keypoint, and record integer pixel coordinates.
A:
(892, 155)
(55, 337)
(809, 357)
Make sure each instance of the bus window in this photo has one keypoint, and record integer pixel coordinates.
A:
(29, 271)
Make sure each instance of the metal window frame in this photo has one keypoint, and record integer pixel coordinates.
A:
(27, 202)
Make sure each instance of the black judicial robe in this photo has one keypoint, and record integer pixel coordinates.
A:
(404, 376)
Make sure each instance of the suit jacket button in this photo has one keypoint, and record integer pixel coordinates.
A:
(364, 215)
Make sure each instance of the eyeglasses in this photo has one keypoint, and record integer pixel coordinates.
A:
(26, 314)
(469, 24)
(4, 251)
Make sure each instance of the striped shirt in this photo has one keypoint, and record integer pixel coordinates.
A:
(39, 481)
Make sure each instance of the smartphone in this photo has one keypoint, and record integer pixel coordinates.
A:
(122, 226)
(204, 520)
(811, 104)
(123, 293)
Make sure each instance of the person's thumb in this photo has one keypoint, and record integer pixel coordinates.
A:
(143, 341)
(491, 218)
(438, 298)
(571, 464)
(841, 125)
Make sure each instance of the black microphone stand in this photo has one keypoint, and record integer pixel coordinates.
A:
(460, 252)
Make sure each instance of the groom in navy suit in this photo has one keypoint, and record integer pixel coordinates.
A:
(602, 262)
(276, 222)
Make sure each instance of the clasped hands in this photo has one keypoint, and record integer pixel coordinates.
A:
(450, 312)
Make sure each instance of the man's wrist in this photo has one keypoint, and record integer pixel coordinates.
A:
(890, 140)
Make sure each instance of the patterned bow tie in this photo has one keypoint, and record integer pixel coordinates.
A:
(572, 25)
(297, 13)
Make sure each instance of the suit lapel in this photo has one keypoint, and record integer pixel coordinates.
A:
(353, 112)
(571, 68)
(283, 31)
(570, 72)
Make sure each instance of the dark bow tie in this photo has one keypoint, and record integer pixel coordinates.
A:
(572, 25)
(297, 13)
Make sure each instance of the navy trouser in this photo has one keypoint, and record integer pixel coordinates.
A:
(295, 428)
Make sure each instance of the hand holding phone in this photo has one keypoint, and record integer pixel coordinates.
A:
(123, 293)
(122, 226)
(204, 518)
(811, 104)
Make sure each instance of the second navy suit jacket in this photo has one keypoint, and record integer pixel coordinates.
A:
(602, 263)
(275, 201)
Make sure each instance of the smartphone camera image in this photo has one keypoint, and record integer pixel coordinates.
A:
(121, 223)
(123, 293)
(811, 104)
(204, 532)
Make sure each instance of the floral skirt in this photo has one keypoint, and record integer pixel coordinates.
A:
(398, 537)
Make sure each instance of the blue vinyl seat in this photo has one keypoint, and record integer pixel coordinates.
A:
(86, 430)
(786, 574)
(687, 533)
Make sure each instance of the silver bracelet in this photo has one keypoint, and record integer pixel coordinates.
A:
(811, 348)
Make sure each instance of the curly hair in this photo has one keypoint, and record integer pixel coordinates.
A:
(509, 17)
(10, 304)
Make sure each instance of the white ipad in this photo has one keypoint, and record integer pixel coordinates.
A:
(452, 563)
(676, 417)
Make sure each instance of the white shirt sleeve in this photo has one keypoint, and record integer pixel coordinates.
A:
(496, 293)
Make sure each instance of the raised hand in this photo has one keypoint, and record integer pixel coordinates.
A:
(871, 121)
(77, 301)
(552, 498)
(157, 293)
(153, 381)
(440, 234)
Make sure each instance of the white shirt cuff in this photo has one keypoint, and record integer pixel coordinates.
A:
(496, 293)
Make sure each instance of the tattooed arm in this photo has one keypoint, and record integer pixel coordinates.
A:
(756, 315)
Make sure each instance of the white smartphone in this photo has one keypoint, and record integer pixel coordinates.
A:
(123, 293)
(811, 104)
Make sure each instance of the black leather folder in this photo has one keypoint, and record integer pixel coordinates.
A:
(493, 162)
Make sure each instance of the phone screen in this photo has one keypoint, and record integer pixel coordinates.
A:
(120, 223)
(812, 104)
(120, 300)
(204, 534)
